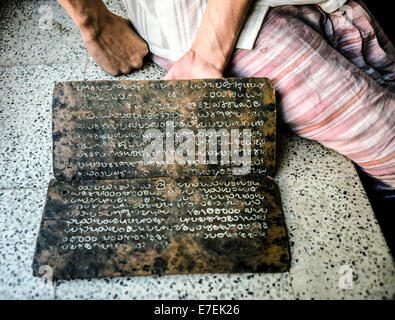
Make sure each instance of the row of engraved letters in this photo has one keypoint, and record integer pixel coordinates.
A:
(149, 185)
(225, 84)
(99, 96)
(127, 144)
(170, 115)
(177, 124)
(134, 164)
(160, 106)
(255, 134)
(164, 228)
(140, 174)
(151, 237)
(147, 192)
(142, 153)
(144, 245)
(125, 212)
(155, 220)
(252, 200)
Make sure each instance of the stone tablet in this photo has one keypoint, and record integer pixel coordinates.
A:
(163, 177)
(127, 227)
(101, 128)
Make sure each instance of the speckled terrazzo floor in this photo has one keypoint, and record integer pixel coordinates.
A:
(329, 218)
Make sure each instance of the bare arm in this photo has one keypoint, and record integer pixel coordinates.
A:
(214, 42)
(109, 39)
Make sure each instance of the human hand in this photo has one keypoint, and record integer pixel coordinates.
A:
(192, 66)
(214, 42)
(113, 44)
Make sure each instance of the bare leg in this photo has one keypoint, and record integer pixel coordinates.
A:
(109, 38)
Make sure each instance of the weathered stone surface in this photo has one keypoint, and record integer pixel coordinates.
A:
(98, 126)
(202, 205)
(108, 228)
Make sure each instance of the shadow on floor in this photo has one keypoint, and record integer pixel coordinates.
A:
(383, 204)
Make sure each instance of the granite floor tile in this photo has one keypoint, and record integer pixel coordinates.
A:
(117, 7)
(206, 286)
(41, 32)
(20, 214)
(16, 274)
(332, 227)
(38, 32)
(26, 122)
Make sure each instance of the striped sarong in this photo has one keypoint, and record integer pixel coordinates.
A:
(335, 78)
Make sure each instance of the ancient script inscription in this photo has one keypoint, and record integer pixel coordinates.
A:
(162, 226)
(134, 129)
(163, 177)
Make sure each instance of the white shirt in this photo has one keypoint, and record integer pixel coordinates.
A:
(170, 26)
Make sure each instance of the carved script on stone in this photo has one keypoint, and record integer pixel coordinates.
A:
(163, 177)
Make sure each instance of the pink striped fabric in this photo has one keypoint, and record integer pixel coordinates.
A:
(335, 79)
